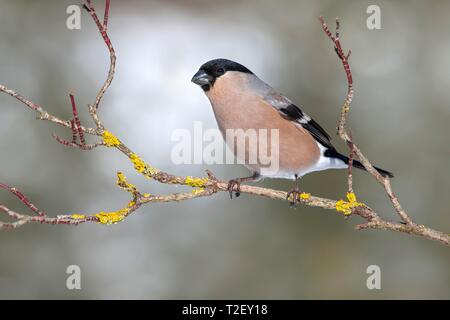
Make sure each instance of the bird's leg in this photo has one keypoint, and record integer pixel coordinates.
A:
(235, 184)
(294, 192)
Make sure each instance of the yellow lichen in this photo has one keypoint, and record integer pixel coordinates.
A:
(351, 197)
(112, 217)
(195, 182)
(110, 140)
(197, 191)
(141, 166)
(151, 170)
(346, 206)
(302, 196)
(131, 204)
(78, 216)
(121, 178)
(305, 196)
(124, 184)
(147, 195)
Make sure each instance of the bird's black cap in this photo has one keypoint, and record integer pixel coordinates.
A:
(213, 69)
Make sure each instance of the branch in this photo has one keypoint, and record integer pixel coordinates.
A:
(377, 223)
(209, 185)
(102, 27)
(41, 113)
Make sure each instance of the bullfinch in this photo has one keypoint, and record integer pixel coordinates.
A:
(240, 100)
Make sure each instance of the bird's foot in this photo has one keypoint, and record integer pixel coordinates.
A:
(293, 196)
(234, 185)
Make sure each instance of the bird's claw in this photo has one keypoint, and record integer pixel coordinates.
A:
(294, 194)
(234, 185)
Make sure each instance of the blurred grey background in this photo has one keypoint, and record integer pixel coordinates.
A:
(214, 247)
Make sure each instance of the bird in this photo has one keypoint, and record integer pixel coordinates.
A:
(241, 100)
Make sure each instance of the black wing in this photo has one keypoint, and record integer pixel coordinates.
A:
(294, 113)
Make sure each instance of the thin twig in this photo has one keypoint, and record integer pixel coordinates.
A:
(42, 114)
(76, 120)
(351, 155)
(102, 29)
(22, 198)
(106, 15)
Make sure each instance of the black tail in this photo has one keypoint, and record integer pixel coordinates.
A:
(332, 153)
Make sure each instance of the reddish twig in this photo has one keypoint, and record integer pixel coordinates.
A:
(102, 29)
(344, 58)
(72, 144)
(74, 131)
(22, 199)
(76, 119)
(106, 15)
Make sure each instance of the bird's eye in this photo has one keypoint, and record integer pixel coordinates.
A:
(220, 71)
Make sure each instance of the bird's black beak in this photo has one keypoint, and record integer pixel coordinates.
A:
(201, 78)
